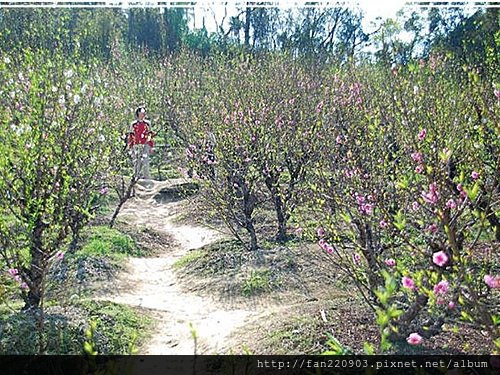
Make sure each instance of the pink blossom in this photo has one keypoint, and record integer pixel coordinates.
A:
(419, 169)
(408, 283)
(432, 228)
(451, 204)
(329, 249)
(104, 190)
(422, 134)
(417, 156)
(59, 255)
(440, 258)
(474, 175)
(390, 262)
(359, 198)
(492, 281)
(322, 243)
(451, 305)
(497, 93)
(432, 196)
(299, 231)
(414, 339)
(356, 258)
(13, 272)
(321, 232)
(463, 193)
(441, 287)
(440, 301)
(338, 139)
(23, 285)
(18, 278)
(366, 208)
(383, 224)
(415, 206)
(319, 107)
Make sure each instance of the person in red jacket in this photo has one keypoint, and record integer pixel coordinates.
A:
(140, 142)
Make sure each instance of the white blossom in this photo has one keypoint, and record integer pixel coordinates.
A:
(68, 73)
(77, 99)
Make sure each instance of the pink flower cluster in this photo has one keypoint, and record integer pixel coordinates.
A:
(432, 228)
(390, 262)
(356, 258)
(408, 283)
(14, 273)
(414, 339)
(451, 204)
(492, 281)
(441, 287)
(432, 196)
(325, 246)
(422, 134)
(364, 206)
(321, 232)
(440, 258)
(463, 193)
(417, 157)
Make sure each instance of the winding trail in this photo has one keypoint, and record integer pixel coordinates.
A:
(150, 283)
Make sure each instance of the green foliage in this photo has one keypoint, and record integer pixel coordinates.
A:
(258, 281)
(54, 160)
(187, 259)
(335, 347)
(103, 241)
(113, 329)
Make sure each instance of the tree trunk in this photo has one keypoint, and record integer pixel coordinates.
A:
(280, 215)
(247, 26)
(249, 205)
(125, 197)
(37, 268)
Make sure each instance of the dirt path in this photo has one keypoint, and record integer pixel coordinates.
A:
(150, 283)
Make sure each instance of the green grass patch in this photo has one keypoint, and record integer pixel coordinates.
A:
(258, 281)
(188, 259)
(103, 241)
(219, 258)
(118, 329)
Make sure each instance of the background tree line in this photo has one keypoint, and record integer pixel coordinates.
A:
(333, 35)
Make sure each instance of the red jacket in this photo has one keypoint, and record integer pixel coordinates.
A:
(141, 133)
